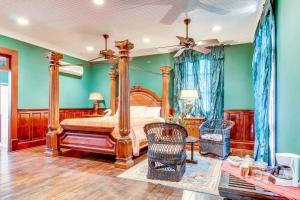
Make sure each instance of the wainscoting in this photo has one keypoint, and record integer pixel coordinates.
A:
(33, 125)
(243, 132)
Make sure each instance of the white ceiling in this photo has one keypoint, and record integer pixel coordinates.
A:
(68, 26)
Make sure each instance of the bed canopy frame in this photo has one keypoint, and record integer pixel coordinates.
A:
(123, 145)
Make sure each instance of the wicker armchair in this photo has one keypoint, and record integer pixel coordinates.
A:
(215, 137)
(166, 151)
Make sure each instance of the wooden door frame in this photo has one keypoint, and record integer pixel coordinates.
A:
(13, 85)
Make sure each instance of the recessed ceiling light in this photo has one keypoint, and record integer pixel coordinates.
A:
(98, 2)
(22, 21)
(90, 48)
(216, 28)
(146, 40)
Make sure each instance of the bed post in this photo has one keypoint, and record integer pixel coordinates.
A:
(124, 143)
(113, 74)
(165, 92)
(53, 121)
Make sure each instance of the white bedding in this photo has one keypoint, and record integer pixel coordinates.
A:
(137, 127)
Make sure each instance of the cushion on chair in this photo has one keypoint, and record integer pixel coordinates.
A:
(213, 137)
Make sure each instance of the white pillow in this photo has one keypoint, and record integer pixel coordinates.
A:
(152, 112)
(137, 111)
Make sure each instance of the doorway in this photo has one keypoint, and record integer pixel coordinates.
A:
(4, 103)
(8, 99)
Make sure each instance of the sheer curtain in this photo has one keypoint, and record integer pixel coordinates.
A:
(263, 66)
(205, 73)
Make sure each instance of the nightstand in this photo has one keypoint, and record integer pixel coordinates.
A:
(192, 124)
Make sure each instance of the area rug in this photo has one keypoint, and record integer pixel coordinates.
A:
(202, 177)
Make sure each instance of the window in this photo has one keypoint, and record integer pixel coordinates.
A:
(203, 82)
(3, 61)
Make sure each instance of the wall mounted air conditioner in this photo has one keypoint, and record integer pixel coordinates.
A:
(74, 70)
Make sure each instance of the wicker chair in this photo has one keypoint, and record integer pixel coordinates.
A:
(166, 151)
(215, 137)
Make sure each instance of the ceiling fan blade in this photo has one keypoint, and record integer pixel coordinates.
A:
(167, 46)
(213, 9)
(81, 64)
(202, 49)
(182, 39)
(101, 56)
(208, 42)
(110, 52)
(171, 15)
(179, 52)
(229, 42)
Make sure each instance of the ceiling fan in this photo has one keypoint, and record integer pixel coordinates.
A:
(185, 6)
(189, 43)
(107, 54)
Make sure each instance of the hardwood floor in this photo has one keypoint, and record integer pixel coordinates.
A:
(28, 174)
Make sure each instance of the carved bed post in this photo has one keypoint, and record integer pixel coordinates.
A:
(113, 90)
(165, 92)
(53, 121)
(124, 143)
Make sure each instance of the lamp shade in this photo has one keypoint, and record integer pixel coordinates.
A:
(96, 96)
(189, 94)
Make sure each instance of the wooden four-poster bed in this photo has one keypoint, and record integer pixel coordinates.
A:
(106, 138)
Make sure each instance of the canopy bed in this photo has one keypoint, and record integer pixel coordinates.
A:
(113, 136)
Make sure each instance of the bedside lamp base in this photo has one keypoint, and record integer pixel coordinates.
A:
(95, 107)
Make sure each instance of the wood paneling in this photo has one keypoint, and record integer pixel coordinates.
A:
(33, 124)
(243, 133)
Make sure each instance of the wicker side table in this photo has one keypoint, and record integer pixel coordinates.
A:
(192, 140)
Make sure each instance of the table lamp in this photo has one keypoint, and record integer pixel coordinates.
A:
(96, 96)
(190, 96)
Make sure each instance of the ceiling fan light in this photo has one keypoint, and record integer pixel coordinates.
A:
(147, 40)
(90, 48)
(216, 28)
(98, 2)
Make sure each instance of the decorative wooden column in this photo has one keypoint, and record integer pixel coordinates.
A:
(165, 92)
(113, 74)
(53, 120)
(124, 143)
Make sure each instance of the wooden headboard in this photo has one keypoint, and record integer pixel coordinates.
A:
(140, 96)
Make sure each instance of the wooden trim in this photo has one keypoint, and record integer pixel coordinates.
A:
(13, 80)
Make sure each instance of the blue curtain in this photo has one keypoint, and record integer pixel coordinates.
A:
(262, 65)
(186, 70)
(205, 73)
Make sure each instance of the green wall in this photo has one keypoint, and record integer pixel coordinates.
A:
(288, 76)
(74, 92)
(238, 88)
(238, 76)
(34, 81)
